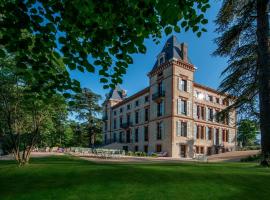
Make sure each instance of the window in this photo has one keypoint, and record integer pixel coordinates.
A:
(158, 148)
(114, 137)
(225, 102)
(136, 135)
(183, 107)
(161, 59)
(210, 97)
(146, 133)
(217, 136)
(128, 107)
(198, 132)
(121, 110)
(210, 114)
(197, 149)
(159, 130)
(198, 112)
(128, 118)
(202, 150)
(160, 109)
(227, 136)
(114, 112)
(160, 88)
(184, 129)
(136, 148)
(210, 132)
(121, 121)
(121, 137)
(223, 135)
(146, 114)
(114, 123)
(146, 99)
(202, 113)
(202, 132)
(128, 136)
(183, 85)
(137, 103)
(217, 100)
(146, 148)
(137, 117)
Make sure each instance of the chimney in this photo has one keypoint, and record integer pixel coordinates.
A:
(184, 52)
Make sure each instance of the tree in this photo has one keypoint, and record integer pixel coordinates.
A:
(87, 35)
(24, 115)
(247, 132)
(87, 110)
(244, 27)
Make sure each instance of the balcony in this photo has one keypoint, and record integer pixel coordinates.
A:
(126, 125)
(158, 96)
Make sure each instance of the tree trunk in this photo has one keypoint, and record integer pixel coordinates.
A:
(264, 76)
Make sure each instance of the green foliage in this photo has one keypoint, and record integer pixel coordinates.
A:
(254, 158)
(86, 109)
(247, 132)
(236, 26)
(87, 35)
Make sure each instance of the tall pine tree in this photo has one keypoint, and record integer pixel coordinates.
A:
(244, 29)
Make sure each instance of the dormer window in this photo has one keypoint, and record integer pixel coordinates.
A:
(161, 59)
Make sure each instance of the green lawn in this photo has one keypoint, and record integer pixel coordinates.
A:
(69, 178)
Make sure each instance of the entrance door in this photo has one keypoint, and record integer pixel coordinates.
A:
(183, 151)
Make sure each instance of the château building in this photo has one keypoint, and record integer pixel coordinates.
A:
(174, 114)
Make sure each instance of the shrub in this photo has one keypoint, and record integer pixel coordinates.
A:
(252, 158)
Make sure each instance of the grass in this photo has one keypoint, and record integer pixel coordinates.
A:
(71, 178)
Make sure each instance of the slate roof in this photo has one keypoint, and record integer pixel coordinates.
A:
(116, 94)
(171, 49)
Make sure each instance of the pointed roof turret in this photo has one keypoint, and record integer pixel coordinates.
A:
(172, 50)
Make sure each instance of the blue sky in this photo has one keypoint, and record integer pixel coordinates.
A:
(199, 51)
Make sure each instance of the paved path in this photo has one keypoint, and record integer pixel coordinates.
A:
(33, 155)
(223, 157)
(232, 156)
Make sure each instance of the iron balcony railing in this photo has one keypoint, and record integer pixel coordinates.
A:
(158, 95)
(126, 125)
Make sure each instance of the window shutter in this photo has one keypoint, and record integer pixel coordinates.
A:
(188, 86)
(178, 106)
(179, 83)
(178, 128)
(188, 129)
(154, 110)
(195, 132)
(206, 112)
(207, 133)
(214, 136)
(163, 107)
(194, 111)
(162, 131)
(188, 108)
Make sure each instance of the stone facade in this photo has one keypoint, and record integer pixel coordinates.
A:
(173, 115)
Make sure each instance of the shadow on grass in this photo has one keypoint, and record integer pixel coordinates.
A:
(64, 177)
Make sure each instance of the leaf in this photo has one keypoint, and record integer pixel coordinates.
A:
(104, 80)
(168, 30)
(204, 21)
(183, 24)
(199, 34)
(177, 29)
(80, 68)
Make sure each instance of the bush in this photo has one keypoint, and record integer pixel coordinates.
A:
(246, 148)
(130, 153)
(252, 158)
(154, 155)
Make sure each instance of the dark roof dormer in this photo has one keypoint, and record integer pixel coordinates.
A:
(172, 50)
